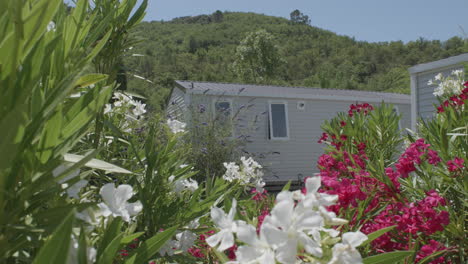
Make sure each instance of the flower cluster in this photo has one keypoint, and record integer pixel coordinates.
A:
(456, 164)
(454, 101)
(124, 105)
(430, 249)
(447, 86)
(182, 185)
(413, 155)
(411, 219)
(248, 172)
(364, 108)
(176, 126)
(297, 227)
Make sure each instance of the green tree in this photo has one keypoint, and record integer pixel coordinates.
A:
(257, 57)
(217, 16)
(299, 18)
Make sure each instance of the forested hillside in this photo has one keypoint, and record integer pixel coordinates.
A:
(203, 48)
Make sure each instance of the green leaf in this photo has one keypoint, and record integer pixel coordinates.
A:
(50, 136)
(138, 15)
(287, 186)
(151, 246)
(96, 164)
(90, 79)
(374, 235)
(55, 250)
(221, 256)
(111, 232)
(99, 46)
(110, 251)
(432, 256)
(388, 258)
(130, 238)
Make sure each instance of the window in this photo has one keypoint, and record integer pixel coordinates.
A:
(223, 115)
(223, 109)
(279, 121)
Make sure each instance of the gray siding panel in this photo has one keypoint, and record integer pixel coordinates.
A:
(177, 105)
(297, 157)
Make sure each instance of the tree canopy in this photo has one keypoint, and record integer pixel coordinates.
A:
(204, 48)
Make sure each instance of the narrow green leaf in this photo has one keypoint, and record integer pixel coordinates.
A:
(221, 256)
(287, 186)
(90, 79)
(96, 164)
(99, 46)
(150, 247)
(111, 232)
(374, 235)
(55, 250)
(109, 253)
(388, 258)
(432, 256)
(130, 238)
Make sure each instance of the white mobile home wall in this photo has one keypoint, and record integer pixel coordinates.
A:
(296, 157)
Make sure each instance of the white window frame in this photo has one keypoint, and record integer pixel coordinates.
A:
(224, 100)
(397, 111)
(270, 119)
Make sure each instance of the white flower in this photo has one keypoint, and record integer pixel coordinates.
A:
(248, 172)
(169, 248)
(346, 253)
(184, 184)
(259, 186)
(176, 126)
(457, 73)
(430, 82)
(232, 171)
(186, 239)
(438, 77)
(313, 199)
(227, 226)
(115, 201)
(107, 109)
(256, 250)
(330, 217)
(72, 256)
(91, 216)
(51, 26)
(139, 108)
(287, 228)
(73, 190)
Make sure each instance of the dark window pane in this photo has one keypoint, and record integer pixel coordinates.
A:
(224, 108)
(278, 118)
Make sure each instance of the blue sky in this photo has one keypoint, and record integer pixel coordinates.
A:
(370, 20)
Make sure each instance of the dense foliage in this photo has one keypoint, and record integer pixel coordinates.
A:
(420, 192)
(203, 48)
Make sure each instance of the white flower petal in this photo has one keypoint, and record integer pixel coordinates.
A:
(313, 184)
(354, 239)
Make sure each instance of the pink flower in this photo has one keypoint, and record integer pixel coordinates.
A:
(430, 249)
(455, 164)
(323, 138)
(432, 157)
(196, 252)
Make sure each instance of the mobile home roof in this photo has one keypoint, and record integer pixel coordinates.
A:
(250, 90)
